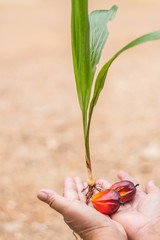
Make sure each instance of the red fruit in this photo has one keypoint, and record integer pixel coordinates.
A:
(107, 202)
(126, 189)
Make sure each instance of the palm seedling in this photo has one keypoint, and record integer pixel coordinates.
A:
(89, 34)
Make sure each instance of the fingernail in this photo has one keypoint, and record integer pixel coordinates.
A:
(42, 196)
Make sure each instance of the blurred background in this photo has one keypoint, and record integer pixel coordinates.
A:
(41, 137)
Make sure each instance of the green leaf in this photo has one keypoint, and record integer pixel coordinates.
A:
(100, 80)
(81, 51)
(99, 33)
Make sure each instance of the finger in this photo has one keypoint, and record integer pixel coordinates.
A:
(70, 189)
(151, 187)
(103, 183)
(53, 199)
(80, 186)
(126, 176)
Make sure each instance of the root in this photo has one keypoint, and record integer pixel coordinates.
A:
(75, 235)
(99, 188)
(91, 191)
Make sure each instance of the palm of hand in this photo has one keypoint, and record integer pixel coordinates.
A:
(136, 215)
(141, 211)
(82, 218)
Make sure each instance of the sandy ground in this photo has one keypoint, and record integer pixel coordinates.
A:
(40, 121)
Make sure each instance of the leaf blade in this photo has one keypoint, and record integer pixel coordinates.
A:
(100, 80)
(81, 51)
(99, 33)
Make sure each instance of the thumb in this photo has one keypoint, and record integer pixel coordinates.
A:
(53, 199)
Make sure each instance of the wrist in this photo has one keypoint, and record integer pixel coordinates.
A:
(151, 231)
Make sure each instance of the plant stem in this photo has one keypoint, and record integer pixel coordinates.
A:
(91, 180)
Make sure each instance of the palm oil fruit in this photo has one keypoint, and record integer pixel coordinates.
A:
(126, 189)
(107, 202)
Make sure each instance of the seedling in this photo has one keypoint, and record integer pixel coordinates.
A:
(89, 34)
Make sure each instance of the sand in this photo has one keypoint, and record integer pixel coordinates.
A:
(41, 137)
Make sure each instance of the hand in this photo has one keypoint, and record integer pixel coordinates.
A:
(82, 219)
(140, 217)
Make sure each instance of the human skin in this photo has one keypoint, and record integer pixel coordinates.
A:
(139, 218)
(84, 220)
